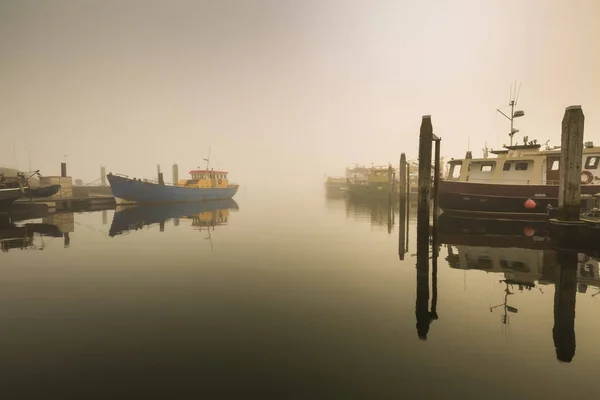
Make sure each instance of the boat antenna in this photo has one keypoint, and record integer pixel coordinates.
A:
(514, 97)
(207, 159)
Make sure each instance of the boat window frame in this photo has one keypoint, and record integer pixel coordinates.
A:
(557, 163)
(506, 164)
(453, 165)
(588, 160)
(490, 164)
(521, 163)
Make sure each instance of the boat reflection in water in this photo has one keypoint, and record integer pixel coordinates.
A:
(203, 214)
(22, 236)
(522, 252)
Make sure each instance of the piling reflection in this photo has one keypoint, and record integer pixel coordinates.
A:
(427, 249)
(203, 215)
(522, 252)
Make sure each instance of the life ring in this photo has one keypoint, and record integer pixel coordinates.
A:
(220, 180)
(586, 177)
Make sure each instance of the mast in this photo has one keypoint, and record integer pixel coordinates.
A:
(513, 114)
(207, 159)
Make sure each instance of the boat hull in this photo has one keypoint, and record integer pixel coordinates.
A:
(507, 200)
(370, 191)
(46, 191)
(130, 191)
(9, 195)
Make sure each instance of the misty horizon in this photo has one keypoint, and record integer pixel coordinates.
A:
(294, 90)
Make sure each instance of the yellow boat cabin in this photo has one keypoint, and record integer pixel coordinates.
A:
(204, 178)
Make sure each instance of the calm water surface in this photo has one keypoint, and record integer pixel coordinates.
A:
(285, 298)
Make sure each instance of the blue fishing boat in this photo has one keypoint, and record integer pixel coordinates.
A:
(205, 185)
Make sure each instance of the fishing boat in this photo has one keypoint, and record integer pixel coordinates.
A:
(522, 180)
(204, 185)
(376, 182)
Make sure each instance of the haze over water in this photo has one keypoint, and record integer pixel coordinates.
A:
(298, 297)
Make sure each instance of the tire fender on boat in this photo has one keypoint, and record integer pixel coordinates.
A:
(586, 177)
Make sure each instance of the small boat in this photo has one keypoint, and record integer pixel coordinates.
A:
(523, 180)
(11, 189)
(205, 185)
(46, 191)
(9, 195)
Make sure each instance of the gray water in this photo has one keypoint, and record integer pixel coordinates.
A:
(289, 298)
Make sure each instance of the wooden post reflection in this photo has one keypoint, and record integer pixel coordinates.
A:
(424, 316)
(565, 292)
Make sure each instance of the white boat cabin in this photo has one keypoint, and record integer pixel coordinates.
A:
(523, 165)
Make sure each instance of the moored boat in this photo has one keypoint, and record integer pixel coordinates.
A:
(204, 185)
(522, 180)
(335, 186)
(45, 191)
(11, 189)
(376, 182)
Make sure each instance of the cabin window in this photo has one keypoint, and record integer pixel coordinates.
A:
(521, 166)
(555, 165)
(592, 162)
(487, 167)
(455, 171)
(506, 166)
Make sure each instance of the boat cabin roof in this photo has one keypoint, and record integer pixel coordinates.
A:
(206, 171)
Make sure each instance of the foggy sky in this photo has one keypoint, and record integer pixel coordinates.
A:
(283, 90)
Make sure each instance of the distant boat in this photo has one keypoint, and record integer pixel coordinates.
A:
(375, 182)
(205, 185)
(133, 218)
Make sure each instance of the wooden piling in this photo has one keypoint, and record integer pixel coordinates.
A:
(402, 177)
(569, 195)
(63, 170)
(402, 207)
(161, 180)
(424, 196)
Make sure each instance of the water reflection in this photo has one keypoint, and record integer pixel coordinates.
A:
(380, 212)
(521, 252)
(204, 215)
(28, 235)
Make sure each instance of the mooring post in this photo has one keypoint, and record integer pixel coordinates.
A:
(402, 176)
(390, 183)
(565, 293)
(161, 180)
(424, 197)
(569, 195)
(63, 170)
(402, 207)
